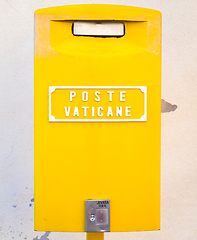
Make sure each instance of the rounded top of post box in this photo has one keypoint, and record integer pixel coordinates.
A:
(99, 12)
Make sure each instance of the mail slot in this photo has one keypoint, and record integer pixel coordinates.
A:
(97, 118)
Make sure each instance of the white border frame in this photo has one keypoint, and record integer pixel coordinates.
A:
(142, 119)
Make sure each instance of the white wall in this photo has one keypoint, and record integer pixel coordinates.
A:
(179, 138)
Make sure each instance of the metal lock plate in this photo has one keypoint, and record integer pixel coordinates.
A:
(97, 215)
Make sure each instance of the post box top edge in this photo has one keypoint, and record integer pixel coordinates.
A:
(98, 12)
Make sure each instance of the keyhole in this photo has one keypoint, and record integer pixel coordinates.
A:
(92, 218)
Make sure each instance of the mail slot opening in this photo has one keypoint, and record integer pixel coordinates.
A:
(98, 29)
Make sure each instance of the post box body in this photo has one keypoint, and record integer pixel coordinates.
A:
(97, 118)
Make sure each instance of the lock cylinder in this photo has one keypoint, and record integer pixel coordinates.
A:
(97, 215)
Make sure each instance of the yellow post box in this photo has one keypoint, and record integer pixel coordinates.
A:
(97, 118)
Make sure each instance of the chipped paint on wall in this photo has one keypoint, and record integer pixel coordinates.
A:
(44, 237)
(167, 107)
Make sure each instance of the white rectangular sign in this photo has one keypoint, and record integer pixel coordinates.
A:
(97, 103)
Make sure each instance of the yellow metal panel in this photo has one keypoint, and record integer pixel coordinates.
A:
(76, 161)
